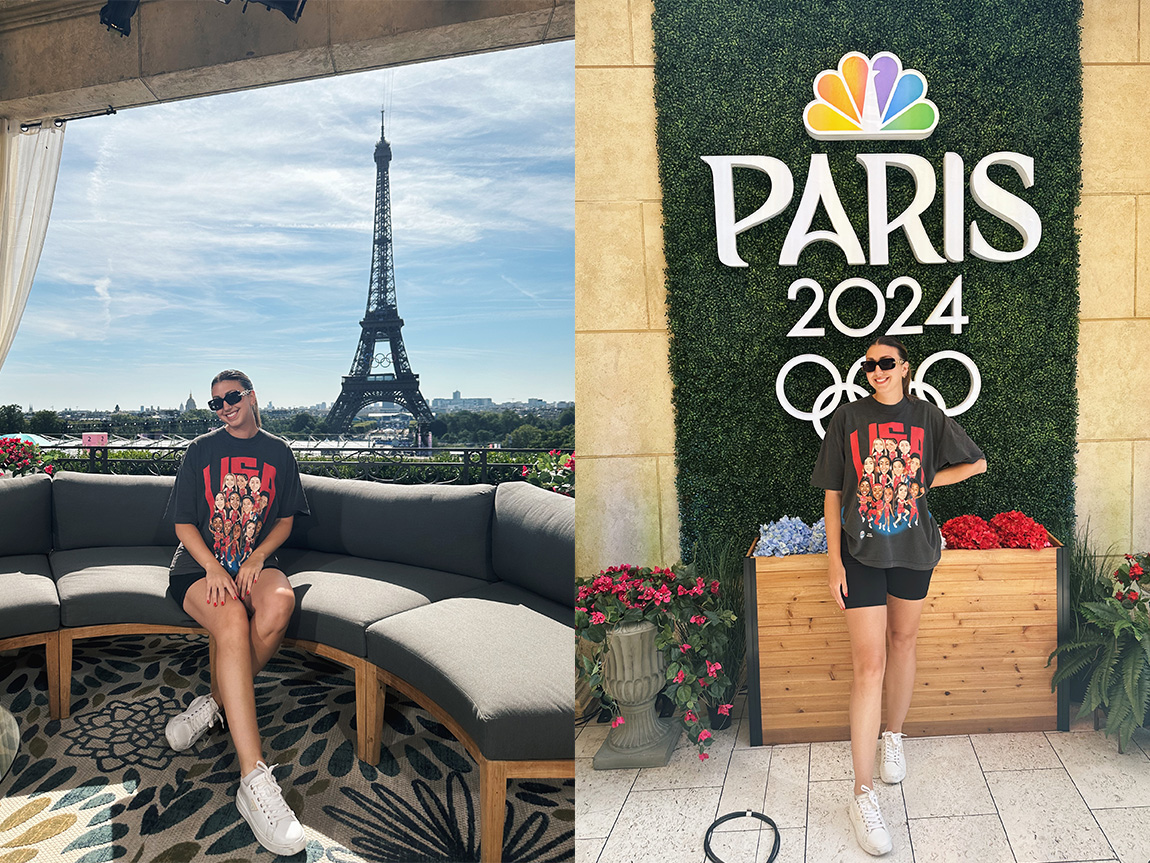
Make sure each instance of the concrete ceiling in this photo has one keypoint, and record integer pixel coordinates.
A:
(57, 60)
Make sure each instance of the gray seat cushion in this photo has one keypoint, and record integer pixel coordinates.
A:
(97, 510)
(533, 540)
(26, 515)
(499, 660)
(28, 600)
(338, 596)
(116, 585)
(440, 527)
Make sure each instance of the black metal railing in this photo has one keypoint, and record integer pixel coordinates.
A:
(436, 465)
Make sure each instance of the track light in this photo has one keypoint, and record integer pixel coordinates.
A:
(117, 15)
(291, 8)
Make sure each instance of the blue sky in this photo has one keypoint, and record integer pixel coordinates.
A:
(235, 231)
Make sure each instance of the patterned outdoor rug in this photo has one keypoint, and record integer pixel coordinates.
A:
(103, 784)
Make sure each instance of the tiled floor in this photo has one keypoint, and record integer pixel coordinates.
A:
(983, 798)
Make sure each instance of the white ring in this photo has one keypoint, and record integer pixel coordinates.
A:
(799, 360)
(975, 379)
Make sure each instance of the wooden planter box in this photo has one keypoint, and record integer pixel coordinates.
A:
(990, 621)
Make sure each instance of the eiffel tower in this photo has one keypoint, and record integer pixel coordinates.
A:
(380, 371)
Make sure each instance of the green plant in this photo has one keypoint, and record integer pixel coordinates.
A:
(19, 457)
(554, 470)
(1114, 643)
(722, 560)
(692, 634)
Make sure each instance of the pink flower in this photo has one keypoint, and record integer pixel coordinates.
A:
(598, 617)
(724, 709)
(690, 717)
(713, 668)
(617, 721)
(684, 648)
(703, 756)
(524, 473)
(703, 681)
(699, 619)
(704, 735)
(714, 587)
(48, 469)
(680, 677)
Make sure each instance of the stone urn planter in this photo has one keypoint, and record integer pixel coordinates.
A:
(633, 673)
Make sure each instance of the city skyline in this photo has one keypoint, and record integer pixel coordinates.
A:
(235, 231)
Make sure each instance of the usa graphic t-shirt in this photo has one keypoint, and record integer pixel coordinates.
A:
(234, 490)
(883, 459)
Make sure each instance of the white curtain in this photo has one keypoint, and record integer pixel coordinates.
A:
(29, 163)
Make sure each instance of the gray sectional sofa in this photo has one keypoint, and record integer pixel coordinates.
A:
(460, 597)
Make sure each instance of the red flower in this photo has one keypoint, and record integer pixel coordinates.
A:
(684, 648)
(724, 709)
(703, 756)
(617, 721)
(598, 617)
(1132, 596)
(690, 717)
(699, 619)
(704, 735)
(969, 531)
(1135, 570)
(703, 682)
(713, 668)
(525, 473)
(714, 587)
(680, 677)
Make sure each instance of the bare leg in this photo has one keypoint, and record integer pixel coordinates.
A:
(232, 685)
(867, 627)
(903, 616)
(271, 603)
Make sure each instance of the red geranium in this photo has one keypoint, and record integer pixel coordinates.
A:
(969, 531)
(1016, 530)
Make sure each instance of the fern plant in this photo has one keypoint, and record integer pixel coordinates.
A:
(1114, 641)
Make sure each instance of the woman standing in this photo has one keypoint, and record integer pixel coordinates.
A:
(237, 593)
(880, 577)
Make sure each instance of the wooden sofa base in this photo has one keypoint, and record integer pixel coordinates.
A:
(493, 775)
(51, 642)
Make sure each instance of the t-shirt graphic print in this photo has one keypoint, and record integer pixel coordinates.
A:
(888, 464)
(245, 491)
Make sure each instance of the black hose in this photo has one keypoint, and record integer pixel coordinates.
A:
(731, 816)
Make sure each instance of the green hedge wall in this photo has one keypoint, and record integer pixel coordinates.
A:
(732, 77)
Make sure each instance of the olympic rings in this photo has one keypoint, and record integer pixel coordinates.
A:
(829, 398)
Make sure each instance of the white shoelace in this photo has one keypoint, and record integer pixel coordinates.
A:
(204, 715)
(892, 747)
(268, 796)
(868, 806)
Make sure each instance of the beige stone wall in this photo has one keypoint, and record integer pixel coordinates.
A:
(1114, 221)
(628, 510)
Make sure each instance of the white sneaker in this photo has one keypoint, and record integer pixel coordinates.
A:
(188, 727)
(870, 829)
(262, 805)
(893, 767)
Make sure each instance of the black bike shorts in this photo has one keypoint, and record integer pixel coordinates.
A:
(868, 586)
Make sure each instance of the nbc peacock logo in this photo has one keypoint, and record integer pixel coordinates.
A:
(870, 99)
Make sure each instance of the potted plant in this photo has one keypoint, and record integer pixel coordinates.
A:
(1114, 643)
(19, 457)
(672, 615)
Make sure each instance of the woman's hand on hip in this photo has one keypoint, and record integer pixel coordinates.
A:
(837, 580)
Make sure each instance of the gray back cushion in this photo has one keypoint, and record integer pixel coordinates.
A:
(533, 540)
(445, 527)
(97, 510)
(26, 515)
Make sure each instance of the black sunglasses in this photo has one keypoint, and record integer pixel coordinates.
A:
(886, 364)
(232, 398)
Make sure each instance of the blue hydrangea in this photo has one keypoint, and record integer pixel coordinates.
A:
(791, 535)
(788, 535)
(818, 544)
